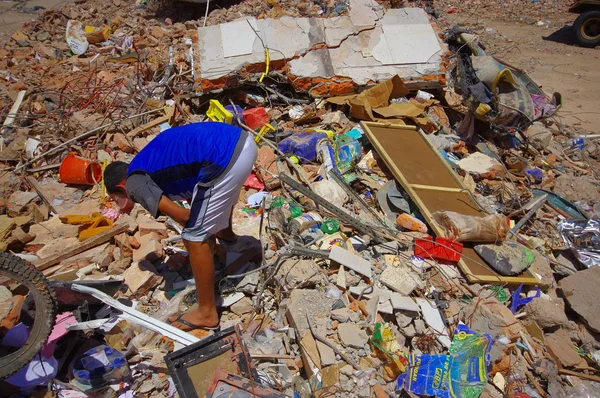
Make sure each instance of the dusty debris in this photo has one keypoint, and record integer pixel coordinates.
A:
(334, 295)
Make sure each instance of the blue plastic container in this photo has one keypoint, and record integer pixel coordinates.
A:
(100, 366)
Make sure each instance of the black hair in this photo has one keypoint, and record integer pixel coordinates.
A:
(114, 173)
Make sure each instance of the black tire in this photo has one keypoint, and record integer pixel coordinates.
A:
(587, 28)
(45, 311)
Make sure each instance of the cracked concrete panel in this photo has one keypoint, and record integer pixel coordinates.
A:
(405, 16)
(337, 29)
(412, 44)
(314, 64)
(289, 35)
(365, 12)
(239, 36)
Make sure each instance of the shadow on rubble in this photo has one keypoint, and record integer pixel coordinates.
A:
(564, 35)
(182, 11)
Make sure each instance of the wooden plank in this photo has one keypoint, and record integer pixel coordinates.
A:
(83, 246)
(140, 129)
(414, 161)
(433, 188)
(38, 189)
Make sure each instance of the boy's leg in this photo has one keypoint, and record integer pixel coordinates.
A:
(203, 267)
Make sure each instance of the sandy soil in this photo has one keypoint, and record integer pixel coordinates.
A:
(553, 59)
(13, 14)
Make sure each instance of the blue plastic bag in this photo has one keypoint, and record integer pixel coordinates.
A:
(302, 145)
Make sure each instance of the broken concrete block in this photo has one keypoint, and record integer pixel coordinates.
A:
(122, 242)
(545, 313)
(153, 227)
(479, 163)
(5, 294)
(350, 260)
(327, 354)
(133, 225)
(344, 315)
(295, 271)
(118, 267)
(581, 292)
(539, 136)
(266, 168)
(121, 142)
(10, 312)
(17, 202)
(141, 276)
(150, 248)
(560, 346)
(307, 301)
(244, 306)
(491, 316)
(352, 336)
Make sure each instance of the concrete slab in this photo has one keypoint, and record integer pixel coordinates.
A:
(365, 47)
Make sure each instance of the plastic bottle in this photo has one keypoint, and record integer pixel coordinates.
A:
(347, 150)
(301, 387)
(299, 224)
(98, 366)
(330, 226)
(326, 155)
(294, 208)
(578, 143)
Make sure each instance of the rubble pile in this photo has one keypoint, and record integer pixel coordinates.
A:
(408, 238)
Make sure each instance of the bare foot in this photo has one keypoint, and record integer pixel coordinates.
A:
(199, 318)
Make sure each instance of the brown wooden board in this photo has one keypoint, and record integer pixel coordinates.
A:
(433, 186)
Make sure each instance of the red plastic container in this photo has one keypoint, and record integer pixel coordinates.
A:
(427, 248)
(255, 118)
(79, 171)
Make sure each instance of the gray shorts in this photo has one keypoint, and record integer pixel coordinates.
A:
(212, 205)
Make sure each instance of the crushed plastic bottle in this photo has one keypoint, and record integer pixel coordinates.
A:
(330, 226)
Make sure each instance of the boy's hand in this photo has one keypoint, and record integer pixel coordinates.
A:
(168, 207)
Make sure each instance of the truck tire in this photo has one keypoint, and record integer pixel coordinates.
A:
(587, 28)
(27, 274)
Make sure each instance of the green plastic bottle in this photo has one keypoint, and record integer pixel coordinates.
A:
(330, 226)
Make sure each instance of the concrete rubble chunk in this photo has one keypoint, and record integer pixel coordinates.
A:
(545, 313)
(150, 248)
(141, 276)
(561, 347)
(327, 354)
(539, 136)
(344, 315)
(352, 336)
(244, 306)
(307, 302)
(153, 227)
(296, 271)
(118, 267)
(17, 202)
(491, 316)
(581, 292)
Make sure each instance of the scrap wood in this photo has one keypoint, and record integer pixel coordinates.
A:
(83, 246)
(169, 112)
(38, 188)
(578, 374)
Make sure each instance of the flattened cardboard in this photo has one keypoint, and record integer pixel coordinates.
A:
(362, 105)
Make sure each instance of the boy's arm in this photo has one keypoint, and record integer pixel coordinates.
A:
(168, 207)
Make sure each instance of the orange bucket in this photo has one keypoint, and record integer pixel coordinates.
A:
(79, 171)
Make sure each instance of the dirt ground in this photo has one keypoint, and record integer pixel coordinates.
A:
(13, 14)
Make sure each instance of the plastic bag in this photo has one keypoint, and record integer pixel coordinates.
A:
(302, 145)
(464, 228)
(460, 374)
(148, 338)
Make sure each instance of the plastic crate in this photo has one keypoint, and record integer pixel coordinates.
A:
(441, 249)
